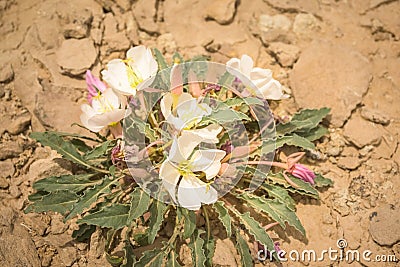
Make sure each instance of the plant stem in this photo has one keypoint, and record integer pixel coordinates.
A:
(207, 222)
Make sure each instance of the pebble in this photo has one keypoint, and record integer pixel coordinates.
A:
(375, 116)
(6, 72)
(7, 169)
(10, 149)
(385, 225)
(274, 28)
(286, 54)
(361, 132)
(222, 11)
(19, 123)
(74, 63)
(305, 24)
(350, 163)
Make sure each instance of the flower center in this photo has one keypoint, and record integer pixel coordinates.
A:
(185, 168)
(104, 104)
(133, 78)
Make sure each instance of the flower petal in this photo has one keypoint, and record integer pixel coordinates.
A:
(208, 161)
(170, 176)
(192, 192)
(142, 61)
(207, 134)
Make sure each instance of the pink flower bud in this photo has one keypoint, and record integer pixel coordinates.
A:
(94, 85)
(302, 172)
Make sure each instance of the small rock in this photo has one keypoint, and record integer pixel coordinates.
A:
(14, 191)
(3, 183)
(350, 163)
(144, 12)
(167, 43)
(361, 132)
(385, 225)
(68, 255)
(57, 225)
(274, 28)
(76, 56)
(333, 151)
(80, 25)
(6, 169)
(10, 149)
(305, 24)
(375, 116)
(338, 73)
(6, 72)
(286, 54)
(37, 222)
(222, 11)
(19, 123)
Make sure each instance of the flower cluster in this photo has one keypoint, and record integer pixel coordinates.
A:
(188, 171)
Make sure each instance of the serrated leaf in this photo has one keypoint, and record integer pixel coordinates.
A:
(114, 216)
(314, 134)
(140, 201)
(281, 195)
(157, 210)
(101, 150)
(224, 216)
(256, 230)
(129, 259)
(305, 119)
(162, 63)
(226, 115)
(58, 201)
(189, 223)
(303, 188)
(275, 209)
(151, 258)
(90, 196)
(209, 250)
(83, 232)
(173, 259)
(73, 183)
(321, 181)
(291, 140)
(244, 251)
(65, 148)
(131, 123)
(196, 246)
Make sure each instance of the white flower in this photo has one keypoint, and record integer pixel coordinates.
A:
(188, 111)
(124, 76)
(183, 162)
(262, 83)
(106, 109)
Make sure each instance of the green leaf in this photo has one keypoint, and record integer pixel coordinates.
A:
(281, 195)
(162, 63)
(141, 126)
(114, 216)
(172, 259)
(305, 119)
(140, 201)
(196, 246)
(58, 201)
(244, 250)
(303, 188)
(226, 115)
(314, 134)
(101, 150)
(151, 258)
(65, 148)
(129, 259)
(209, 250)
(223, 216)
(190, 221)
(83, 232)
(321, 181)
(157, 210)
(275, 209)
(291, 140)
(256, 230)
(90, 196)
(73, 183)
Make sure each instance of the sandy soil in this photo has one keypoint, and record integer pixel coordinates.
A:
(341, 54)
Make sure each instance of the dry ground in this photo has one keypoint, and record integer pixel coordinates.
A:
(342, 54)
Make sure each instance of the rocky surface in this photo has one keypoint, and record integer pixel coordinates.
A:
(339, 54)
